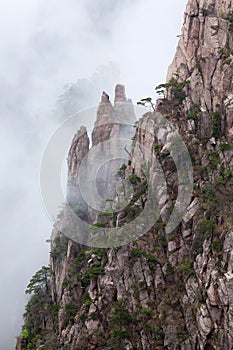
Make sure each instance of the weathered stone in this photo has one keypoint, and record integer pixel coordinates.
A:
(120, 95)
(191, 210)
(203, 57)
(175, 288)
(213, 296)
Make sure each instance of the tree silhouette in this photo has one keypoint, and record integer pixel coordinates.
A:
(39, 282)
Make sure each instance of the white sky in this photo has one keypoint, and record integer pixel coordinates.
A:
(44, 45)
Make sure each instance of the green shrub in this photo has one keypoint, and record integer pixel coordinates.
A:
(162, 240)
(94, 316)
(133, 139)
(228, 173)
(120, 323)
(213, 158)
(118, 335)
(71, 309)
(101, 252)
(39, 283)
(91, 273)
(101, 224)
(120, 315)
(54, 309)
(134, 179)
(67, 282)
(121, 171)
(204, 12)
(86, 300)
(193, 113)
(182, 335)
(135, 253)
(186, 267)
(216, 246)
(142, 284)
(220, 180)
(25, 333)
(60, 245)
(224, 52)
(150, 258)
(147, 311)
(175, 88)
(159, 333)
(208, 192)
(205, 228)
(203, 59)
(216, 124)
(197, 246)
(170, 270)
(229, 16)
(78, 262)
(147, 102)
(79, 209)
(157, 148)
(227, 61)
(224, 175)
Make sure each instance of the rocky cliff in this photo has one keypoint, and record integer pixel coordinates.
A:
(171, 287)
(204, 58)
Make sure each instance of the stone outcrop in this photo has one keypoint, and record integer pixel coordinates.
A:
(120, 95)
(110, 118)
(112, 132)
(104, 121)
(78, 150)
(166, 289)
(204, 57)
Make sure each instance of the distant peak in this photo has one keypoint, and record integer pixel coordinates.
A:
(104, 98)
(120, 95)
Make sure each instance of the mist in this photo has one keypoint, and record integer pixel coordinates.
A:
(57, 57)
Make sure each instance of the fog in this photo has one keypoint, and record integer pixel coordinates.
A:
(43, 47)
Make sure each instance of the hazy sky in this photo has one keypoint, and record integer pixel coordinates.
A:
(43, 46)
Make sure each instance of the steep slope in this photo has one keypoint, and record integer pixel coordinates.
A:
(167, 289)
(204, 57)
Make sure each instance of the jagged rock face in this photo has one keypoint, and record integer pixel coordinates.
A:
(120, 95)
(109, 117)
(112, 123)
(205, 57)
(104, 121)
(107, 125)
(162, 291)
(114, 128)
(78, 150)
(165, 290)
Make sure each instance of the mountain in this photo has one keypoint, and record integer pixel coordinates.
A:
(155, 272)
